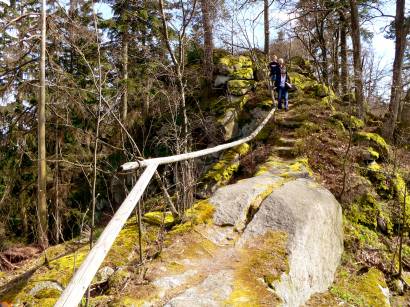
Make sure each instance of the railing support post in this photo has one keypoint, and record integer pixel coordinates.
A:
(75, 290)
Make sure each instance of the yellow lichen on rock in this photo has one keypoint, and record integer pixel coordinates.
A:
(223, 170)
(159, 218)
(259, 266)
(361, 290)
(200, 213)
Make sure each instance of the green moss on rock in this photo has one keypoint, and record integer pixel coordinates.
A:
(361, 290)
(159, 218)
(374, 140)
(200, 213)
(373, 153)
(366, 210)
(349, 121)
(222, 171)
(231, 61)
(257, 269)
(240, 87)
(307, 128)
(242, 74)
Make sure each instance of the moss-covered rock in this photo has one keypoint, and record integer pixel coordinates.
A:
(368, 211)
(322, 90)
(373, 153)
(229, 122)
(159, 218)
(375, 173)
(301, 65)
(200, 213)
(259, 266)
(242, 74)
(231, 61)
(61, 267)
(362, 290)
(222, 171)
(240, 87)
(117, 280)
(307, 128)
(374, 140)
(349, 121)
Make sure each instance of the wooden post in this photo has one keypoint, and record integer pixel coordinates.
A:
(74, 292)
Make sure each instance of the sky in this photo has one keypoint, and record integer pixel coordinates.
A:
(383, 48)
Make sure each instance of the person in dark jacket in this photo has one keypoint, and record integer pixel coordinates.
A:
(283, 85)
(273, 68)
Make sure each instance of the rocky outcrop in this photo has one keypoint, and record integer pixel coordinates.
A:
(235, 75)
(281, 211)
(313, 219)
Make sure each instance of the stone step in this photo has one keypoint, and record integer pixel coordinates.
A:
(287, 141)
(285, 123)
(285, 152)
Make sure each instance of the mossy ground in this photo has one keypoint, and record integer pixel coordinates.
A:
(259, 266)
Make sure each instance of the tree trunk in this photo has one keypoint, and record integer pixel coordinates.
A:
(266, 25)
(396, 88)
(208, 45)
(125, 77)
(344, 77)
(42, 214)
(336, 66)
(325, 63)
(357, 58)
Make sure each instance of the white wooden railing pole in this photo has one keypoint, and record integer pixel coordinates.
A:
(74, 292)
(195, 154)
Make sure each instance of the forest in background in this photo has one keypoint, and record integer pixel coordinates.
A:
(137, 85)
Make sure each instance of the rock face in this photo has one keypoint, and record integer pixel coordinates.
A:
(214, 289)
(235, 75)
(313, 219)
(272, 240)
(233, 202)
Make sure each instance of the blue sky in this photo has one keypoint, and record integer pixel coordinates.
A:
(383, 48)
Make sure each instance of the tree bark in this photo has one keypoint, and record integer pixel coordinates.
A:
(42, 213)
(208, 45)
(124, 112)
(266, 25)
(336, 64)
(396, 88)
(357, 58)
(344, 77)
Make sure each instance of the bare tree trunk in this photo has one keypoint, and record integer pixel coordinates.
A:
(324, 62)
(402, 231)
(344, 77)
(336, 65)
(396, 88)
(56, 215)
(42, 168)
(23, 215)
(266, 25)
(357, 58)
(125, 76)
(208, 45)
(186, 167)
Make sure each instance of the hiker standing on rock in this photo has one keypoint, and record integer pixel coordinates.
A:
(273, 69)
(283, 85)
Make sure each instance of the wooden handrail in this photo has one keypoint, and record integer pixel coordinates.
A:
(171, 159)
(83, 277)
